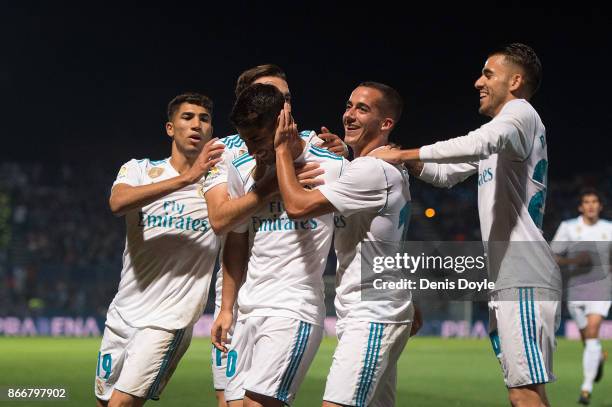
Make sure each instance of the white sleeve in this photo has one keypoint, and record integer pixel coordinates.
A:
(511, 132)
(235, 189)
(362, 186)
(561, 241)
(130, 173)
(217, 174)
(447, 175)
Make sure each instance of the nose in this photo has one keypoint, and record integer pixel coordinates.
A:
(349, 115)
(196, 123)
(479, 84)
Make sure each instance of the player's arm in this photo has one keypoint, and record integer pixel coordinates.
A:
(125, 197)
(298, 202)
(560, 245)
(225, 214)
(333, 143)
(235, 257)
(440, 175)
(504, 133)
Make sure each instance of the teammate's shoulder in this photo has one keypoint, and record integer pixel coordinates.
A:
(242, 160)
(570, 222)
(147, 162)
(519, 108)
(233, 141)
(322, 154)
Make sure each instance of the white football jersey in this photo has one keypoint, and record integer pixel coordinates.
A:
(509, 154)
(373, 201)
(288, 257)
(597, 283)
(169, 254)
(234, 148)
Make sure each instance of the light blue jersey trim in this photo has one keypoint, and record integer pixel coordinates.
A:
(370, 363)
(243, 159)
(294, 363)
(320, 152)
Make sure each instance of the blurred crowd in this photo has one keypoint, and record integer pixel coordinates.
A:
(61, 248)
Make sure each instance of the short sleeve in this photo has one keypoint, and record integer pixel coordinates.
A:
(235, 189)
(217, 174)
(130, 173)
(362, 186)
(561, 240)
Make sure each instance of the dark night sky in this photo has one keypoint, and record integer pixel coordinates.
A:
(91, 83)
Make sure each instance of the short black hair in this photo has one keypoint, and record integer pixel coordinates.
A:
(249, 76)
(525, 57)
(191, 98)
(257, 107)
(391, 102)
(589, 191)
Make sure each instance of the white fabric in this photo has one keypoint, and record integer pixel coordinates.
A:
(373, 198)
(523, 334)
(595, 284)
(364, 367)
(169, 254)
(287, 259)
(590, 363)
(509, 153)
(579, 310)
(270, 356)
(137, 361)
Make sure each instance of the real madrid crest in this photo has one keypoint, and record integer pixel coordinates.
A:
(123, 171)
(201, 190)
(212, 173)
(155, 172)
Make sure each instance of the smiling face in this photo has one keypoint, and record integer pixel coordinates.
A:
(190, 128)
(496, 85)
(260, 143)
(363, 120)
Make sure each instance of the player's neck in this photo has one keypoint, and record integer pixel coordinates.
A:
(370, 146)
(589, 221)
(179, 161)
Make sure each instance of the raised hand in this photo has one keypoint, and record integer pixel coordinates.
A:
(207, 159)
(307, 174)
(332, 142)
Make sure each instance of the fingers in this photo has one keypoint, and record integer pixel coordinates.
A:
(302, 175)
(324, 130)
(311, 182)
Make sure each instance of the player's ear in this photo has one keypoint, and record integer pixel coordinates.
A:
(170, 129)
(387, 124)
(516, 81)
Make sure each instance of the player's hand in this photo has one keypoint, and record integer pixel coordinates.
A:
(286, 130)
(582, 259)
(207, 159)
(389, 154)
(307, 174)
(266, 185)
(417, 321)
(219, 330)
(333, 143)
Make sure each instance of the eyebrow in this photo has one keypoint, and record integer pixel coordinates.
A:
(487, 71)
(361, 105)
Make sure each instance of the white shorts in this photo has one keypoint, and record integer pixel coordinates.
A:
(523, 334)
(580, 309)
(364, 367)
(137, 361)
(270, 356)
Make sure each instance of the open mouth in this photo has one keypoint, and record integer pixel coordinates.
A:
(195, 137)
